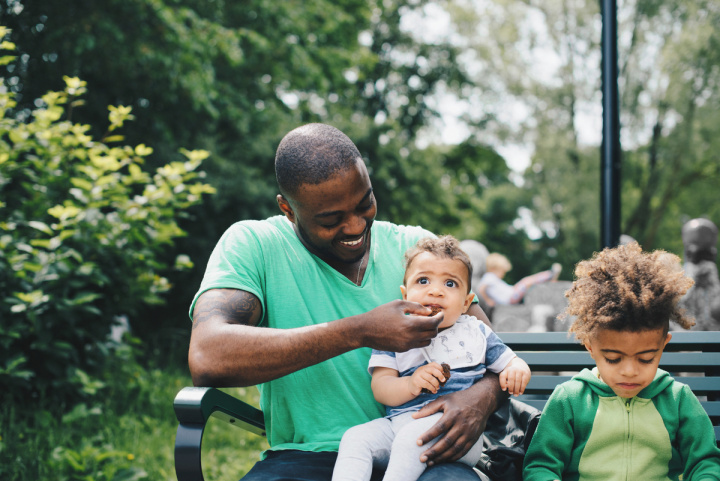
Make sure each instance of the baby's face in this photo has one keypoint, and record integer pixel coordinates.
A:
(436, 281)
(627, 361)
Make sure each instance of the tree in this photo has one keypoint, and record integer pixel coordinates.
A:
(543, 58)
(83, 238)
(232, 78)
(672, 78)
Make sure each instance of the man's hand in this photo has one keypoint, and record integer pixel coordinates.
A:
(398, 326)
(465, 414)
(515, 377)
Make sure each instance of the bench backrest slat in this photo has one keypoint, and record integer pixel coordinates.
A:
(692, 357)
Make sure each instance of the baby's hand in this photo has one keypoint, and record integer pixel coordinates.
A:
(428, 376)
(515, 377)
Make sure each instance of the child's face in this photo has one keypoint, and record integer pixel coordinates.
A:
(627, 361)
(436, 281)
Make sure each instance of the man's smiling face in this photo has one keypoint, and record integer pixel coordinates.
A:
(333, 218)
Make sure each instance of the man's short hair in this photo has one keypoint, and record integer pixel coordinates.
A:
(311, 154)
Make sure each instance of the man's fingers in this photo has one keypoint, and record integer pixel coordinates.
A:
(447, 449)
(428, 409)
(450, 447)
(418, 310)
(436, 430)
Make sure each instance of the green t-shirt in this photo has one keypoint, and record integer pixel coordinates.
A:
(312, 408)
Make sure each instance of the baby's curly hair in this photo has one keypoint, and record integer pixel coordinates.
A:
(626, 289)
(446, 246)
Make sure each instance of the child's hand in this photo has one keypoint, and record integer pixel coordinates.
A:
(428, 376)
(515, 377)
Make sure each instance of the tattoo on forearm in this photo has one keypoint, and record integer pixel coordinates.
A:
(231, 304)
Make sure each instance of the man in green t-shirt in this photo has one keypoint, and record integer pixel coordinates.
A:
(294, 304)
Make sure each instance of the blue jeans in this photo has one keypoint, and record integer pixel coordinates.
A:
(311, 466)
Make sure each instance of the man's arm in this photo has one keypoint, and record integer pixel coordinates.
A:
(465, 414)
(227, 348)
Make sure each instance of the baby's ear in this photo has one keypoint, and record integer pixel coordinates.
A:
(468, 301)
(404, 292)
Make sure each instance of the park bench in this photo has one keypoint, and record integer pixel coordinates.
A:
(693, 357)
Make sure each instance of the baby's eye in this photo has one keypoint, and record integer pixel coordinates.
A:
(647, 361)
(612, 361)
(423, 280)
(450, 283)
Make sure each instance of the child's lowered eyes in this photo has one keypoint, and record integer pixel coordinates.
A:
(617, 360)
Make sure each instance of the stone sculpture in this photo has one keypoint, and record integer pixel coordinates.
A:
(702, 301)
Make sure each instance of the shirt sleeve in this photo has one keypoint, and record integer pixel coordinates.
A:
(696, 439)
(235, 262)
(551, 447)
(382, 359)
(498, 354)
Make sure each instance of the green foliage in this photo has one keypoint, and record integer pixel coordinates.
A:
(126, 433)
(84, 232)
(546, 62)
(233, 78)
(94, 463)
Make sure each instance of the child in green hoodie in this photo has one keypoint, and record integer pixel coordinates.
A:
(626, 419)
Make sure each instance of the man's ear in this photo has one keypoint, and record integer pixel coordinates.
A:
(286, 208)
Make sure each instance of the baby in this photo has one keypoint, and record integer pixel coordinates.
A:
(437, 275)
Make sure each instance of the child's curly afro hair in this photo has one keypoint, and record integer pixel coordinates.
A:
(626, 289)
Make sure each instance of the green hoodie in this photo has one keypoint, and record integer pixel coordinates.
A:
(587, 432)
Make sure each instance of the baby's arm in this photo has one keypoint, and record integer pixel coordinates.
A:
(515, 377)
(392, 390)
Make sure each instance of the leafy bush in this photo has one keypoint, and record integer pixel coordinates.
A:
(85, 236)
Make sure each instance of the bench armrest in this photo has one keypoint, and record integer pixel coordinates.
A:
(193, 408)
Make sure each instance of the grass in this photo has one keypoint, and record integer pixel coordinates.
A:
(125, 432)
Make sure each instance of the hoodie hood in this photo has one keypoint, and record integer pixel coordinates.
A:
(661, 382)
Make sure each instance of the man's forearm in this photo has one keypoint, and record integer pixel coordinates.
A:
(489, 393)
(223, 354)
(228, 349)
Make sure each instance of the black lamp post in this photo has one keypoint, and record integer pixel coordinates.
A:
(610, 170)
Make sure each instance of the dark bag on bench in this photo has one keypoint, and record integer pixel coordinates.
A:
(506, 439)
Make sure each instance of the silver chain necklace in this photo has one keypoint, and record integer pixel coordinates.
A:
(362, 259)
